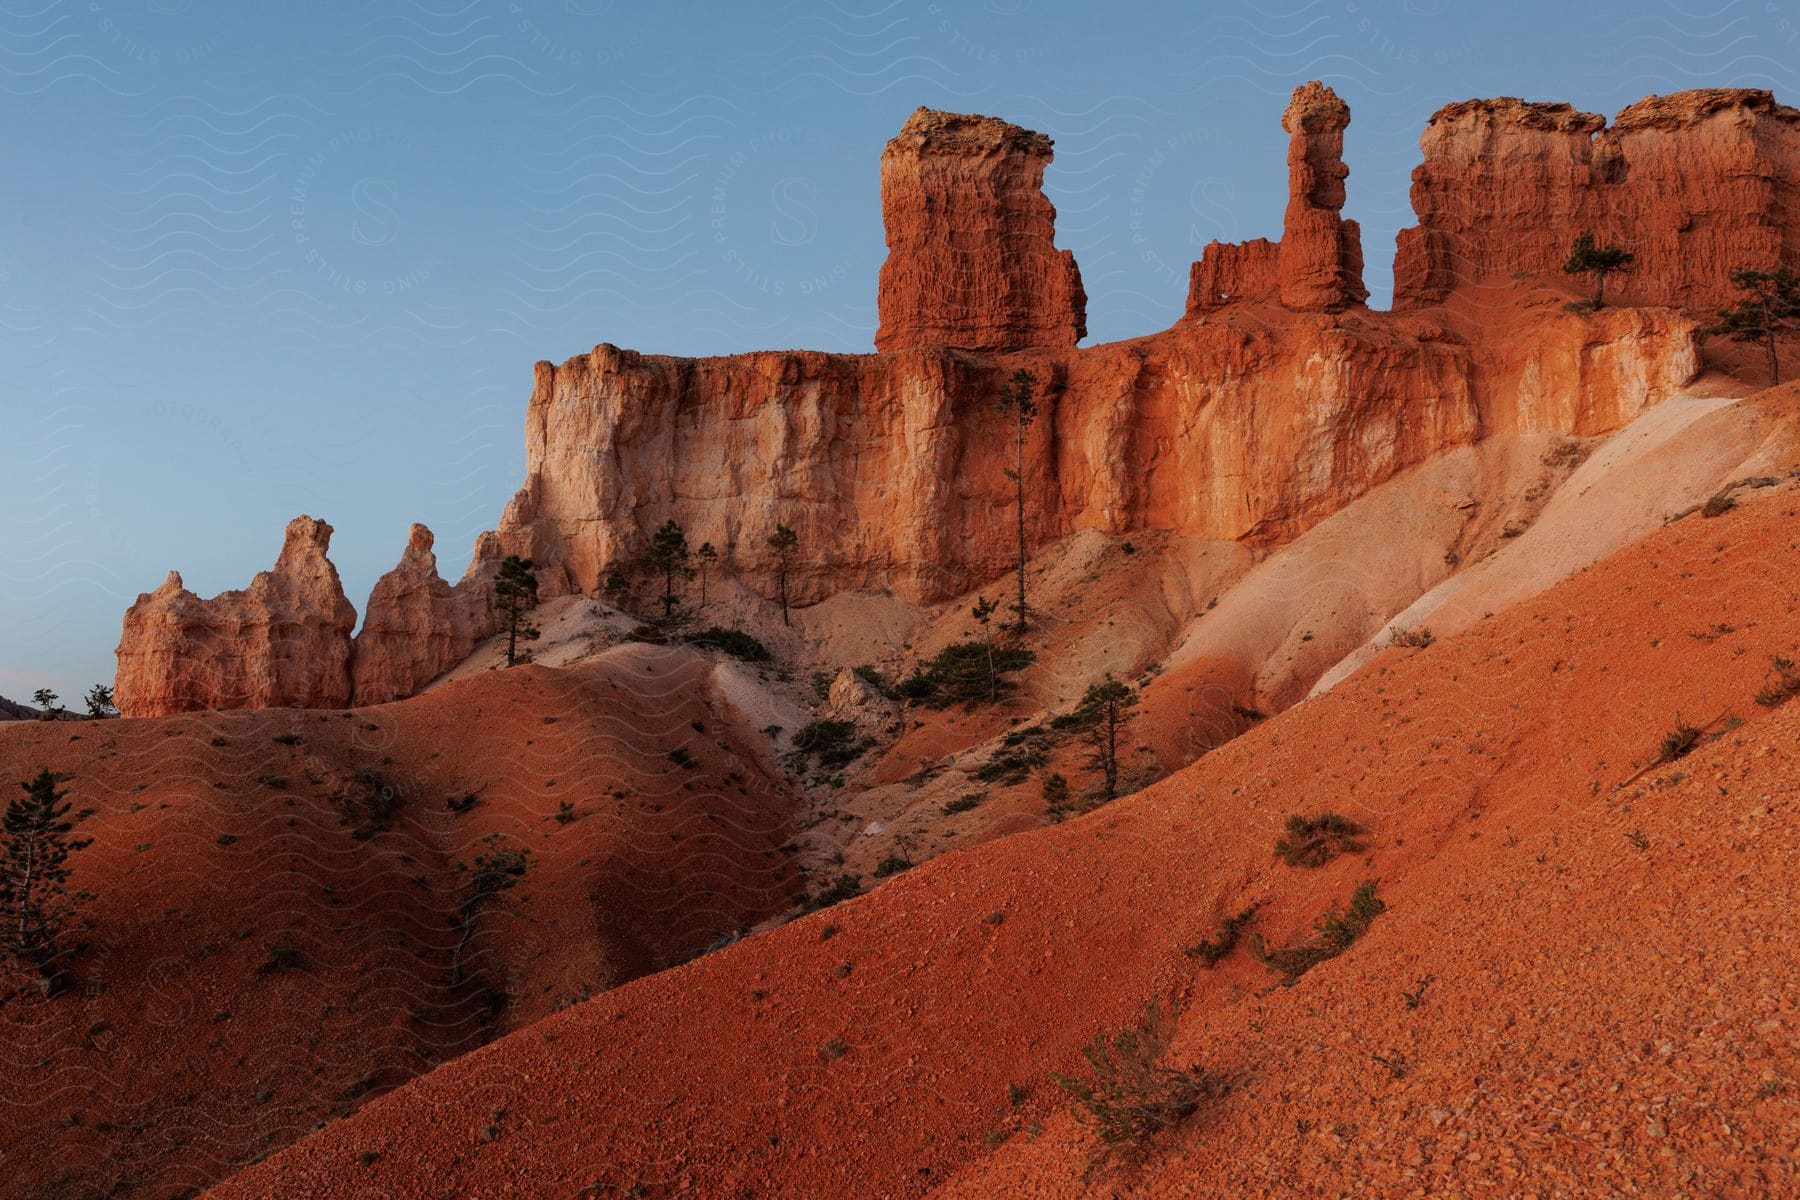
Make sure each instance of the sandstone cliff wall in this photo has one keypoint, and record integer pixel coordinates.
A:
(1247, 421)
(1695, 184)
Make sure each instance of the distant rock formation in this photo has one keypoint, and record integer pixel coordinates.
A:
(415, 627)
(1317, 265)
(282, 642)
(1249, 421)
(1695, 184)
(972, 261)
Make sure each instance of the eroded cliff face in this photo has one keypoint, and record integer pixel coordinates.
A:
(283, 641)
(972, 260)
(1275, 402)
(1696, 184)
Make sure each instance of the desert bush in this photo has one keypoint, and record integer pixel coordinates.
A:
(1679, 742)
(1056, 791)
(833, 743)
(1133, 1095)
(1315, 841)
(734, 642)
(844, 887)
(1337, 931)
(1010, 766)
(1211, 950)
(893, 864)
(1417, 639)
(1785, 685)
(961, 804)
(960, 671)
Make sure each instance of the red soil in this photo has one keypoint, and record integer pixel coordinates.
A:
(184, 1055)
(1612, 1007)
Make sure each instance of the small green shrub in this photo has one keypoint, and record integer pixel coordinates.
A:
(844, 887)
(871, 676)
(1783, 687)
(1337, 931)
(1679, 742)
(960, 672)
(1010, 766)
(1133, 1095)
(1418, 639)
(833, 743)
(1315, 841)
(734, 642)
(962, 804)
(1211, 950)
(893, 864)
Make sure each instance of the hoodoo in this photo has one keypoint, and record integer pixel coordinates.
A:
(972, 260)
(1317, 264)
(282, 642)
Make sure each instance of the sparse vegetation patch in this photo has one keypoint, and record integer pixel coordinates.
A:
(1315, 841)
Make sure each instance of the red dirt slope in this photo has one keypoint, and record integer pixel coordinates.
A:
(868, 1050)
(193, 1045)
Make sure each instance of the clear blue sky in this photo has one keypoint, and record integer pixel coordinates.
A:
(260, 259)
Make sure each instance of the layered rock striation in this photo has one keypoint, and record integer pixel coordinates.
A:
(1696, 184)
(972, 260)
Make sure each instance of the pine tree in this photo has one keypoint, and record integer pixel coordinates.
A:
(707, 556)
(1769, 312)
(34, 898)
(1108, 705)
(1016, 400)
(984, 614)
(668, 556)
(100, 702)
(1588, 257)
(45, 699)
(784, 541)
(515, 595)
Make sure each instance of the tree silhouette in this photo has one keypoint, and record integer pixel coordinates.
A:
(1108, 705)
(100, 701)
(45, 699)
(983, 613)
(1769, 311)
(707, 556)
(668, 556)
(1588, 257)
(784, 541)
(34, 871)
(515, 595)
(1016, 400)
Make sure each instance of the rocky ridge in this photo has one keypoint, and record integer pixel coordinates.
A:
(1276, 401)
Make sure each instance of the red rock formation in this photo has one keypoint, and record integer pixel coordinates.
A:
(1321, 255)
(972, 261)
(283, 641)
(1233, 272)
(1250, 424)
(415, 626)
(1317, 264)
(1696, 184)
(891, 468)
